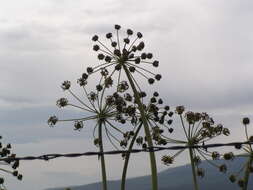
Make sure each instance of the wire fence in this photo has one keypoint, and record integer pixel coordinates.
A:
(47, 157)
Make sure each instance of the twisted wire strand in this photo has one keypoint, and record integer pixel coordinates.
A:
(47, 157)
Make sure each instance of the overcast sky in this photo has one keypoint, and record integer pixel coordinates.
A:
(205, 49)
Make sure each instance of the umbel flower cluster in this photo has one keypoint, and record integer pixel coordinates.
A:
(99, 108)
(199, 128)
(124, 55)
(118, 109)
(120, 106)
(9, 167)
(117, 98)
(114, 104)
(243, 174)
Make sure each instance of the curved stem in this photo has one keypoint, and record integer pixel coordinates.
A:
(193, 170)
(146, 129)
(123, 178)
(247, 172)
(248, 165)
(182, 122)
(247, 137)
(102, 159)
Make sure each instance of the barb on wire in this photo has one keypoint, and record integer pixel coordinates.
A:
(48, 157)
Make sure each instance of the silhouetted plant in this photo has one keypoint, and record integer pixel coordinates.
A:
(112, 104)
(123, 58)
(159, 119)
(198, 129)
(5, 152)
(104, 110)
(127, 57)
(242, 178)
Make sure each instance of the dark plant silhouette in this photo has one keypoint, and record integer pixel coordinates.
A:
(159, 119)
(242, 176)
(107, 112)
(127, 57)
(198, 129)
(9, 167)
(117, 99)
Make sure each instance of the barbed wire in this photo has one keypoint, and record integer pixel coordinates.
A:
(47, 157)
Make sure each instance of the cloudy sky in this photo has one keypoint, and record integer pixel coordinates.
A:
(205, 49)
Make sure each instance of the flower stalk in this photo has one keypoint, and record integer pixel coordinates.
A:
(198, 129)
(146, 129)
(127, 157)
(247, 172)
(101, 157)
(126, 58)
(245, 122)
(195, 182)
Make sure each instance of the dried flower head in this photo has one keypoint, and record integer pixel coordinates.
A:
(11, 165)
(199, 128)
(245, 121)
(180, 109)
(242, 176)
(102, 108)
(167, 160)
(52, 120)
(126, 53)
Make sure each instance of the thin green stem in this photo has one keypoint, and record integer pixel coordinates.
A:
(182, 122)
(7, 171)
(247, 137)
(102, 159)
(193, 170)
(79, 100)
(127, 157)
(247, 173)
(248, 165)
(146, 129)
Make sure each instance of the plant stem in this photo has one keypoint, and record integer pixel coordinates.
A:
(102, 159)
(127, 157)
(196, 187)
(247, 172)
(146, 129)
(247, 169)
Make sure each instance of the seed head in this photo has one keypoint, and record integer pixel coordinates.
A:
(129, 32)
(52, 121)
(89, 70)
(95, 38)
(245, 120)
(180, 109)
(232, 178)
(62, 102)
(228, 156)
(108, 35)
(156, 63)
(200, 172)
(114, 44)
(66, 85)
(241, 183)
(101, 56)
(167, 160)
(78, 125)
(117, 27)
(158, 77)
(223, 168)
(139, 35)
(96, 47)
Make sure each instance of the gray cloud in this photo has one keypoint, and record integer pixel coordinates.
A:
(205, 57)
(29, 124)
(204, 49)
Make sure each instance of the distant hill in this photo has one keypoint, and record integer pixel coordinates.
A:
(178, 178)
